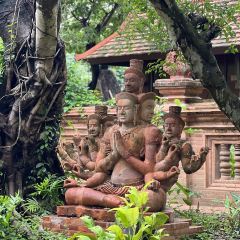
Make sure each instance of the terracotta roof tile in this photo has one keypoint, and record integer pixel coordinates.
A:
(117, 45)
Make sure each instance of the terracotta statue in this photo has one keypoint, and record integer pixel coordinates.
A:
(146, 112)
(101, 110)
(176, 67)
(173, 150)
(131, 156)
(88, 148)
(81, 158)
(133, 77)
(107, 122)
(67, 154)
(146, 107)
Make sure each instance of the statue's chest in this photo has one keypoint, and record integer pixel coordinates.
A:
(134, 142)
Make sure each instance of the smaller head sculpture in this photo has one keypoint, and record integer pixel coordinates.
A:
(134, 77)
(107, 122)
(101, 110)
(94, 125)
(126, 107)
(146, 106)
(173, 123)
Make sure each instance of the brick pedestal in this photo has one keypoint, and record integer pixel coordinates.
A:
(68, 221)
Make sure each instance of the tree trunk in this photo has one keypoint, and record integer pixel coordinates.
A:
(197, 49)
(95, 74)
(95, 69)
(35, 78)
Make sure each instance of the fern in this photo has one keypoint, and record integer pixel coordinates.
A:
(48, 193)
(32, 205)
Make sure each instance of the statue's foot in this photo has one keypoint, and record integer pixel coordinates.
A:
(70, 183)
(112, 201)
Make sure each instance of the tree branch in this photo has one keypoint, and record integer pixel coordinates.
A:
(198, 51)
(106, 19)
(46, 35)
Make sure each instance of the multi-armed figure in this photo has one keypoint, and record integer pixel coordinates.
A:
(174, 150)
(82, 163)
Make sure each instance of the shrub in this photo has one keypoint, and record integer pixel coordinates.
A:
(15, 225)
(131, 222)
(77, 92)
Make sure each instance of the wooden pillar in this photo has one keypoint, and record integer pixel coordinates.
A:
(224, 157)
(237, 162)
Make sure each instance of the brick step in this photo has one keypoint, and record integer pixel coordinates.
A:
(99, 214)
(71, 225)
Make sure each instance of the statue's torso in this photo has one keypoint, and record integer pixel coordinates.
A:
(123, 173)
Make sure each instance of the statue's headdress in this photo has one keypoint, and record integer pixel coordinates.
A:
(136, 67)
(127, 95)
(95, 116)
(101, 110)
(145, 96)
(174, 112)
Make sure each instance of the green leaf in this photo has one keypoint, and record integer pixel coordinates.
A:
(137, 198)
(187, 201)
(88, 221)
(79, 236)
(128, 217)
(140, 232)
(179, 103)
(227, 202)
(118, 232)
(161, 218)
(235, 197)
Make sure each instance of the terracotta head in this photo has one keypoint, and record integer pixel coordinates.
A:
(101, 110)
(173, 123)
(134, 77)
(146, 106)
(126, 107)
(108, 121)
(94, 125)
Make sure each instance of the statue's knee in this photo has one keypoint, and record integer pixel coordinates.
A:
(156, 200)
(74, 196)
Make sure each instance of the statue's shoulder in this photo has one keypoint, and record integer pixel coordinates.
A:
(108, 133)
(152, 133)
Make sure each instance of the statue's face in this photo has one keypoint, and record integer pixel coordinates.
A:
(132, 83)
(125, 111)
(172, 129)
(94, 127)
(147, 110)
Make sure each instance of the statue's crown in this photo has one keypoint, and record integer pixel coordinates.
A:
(95, 116)
(101, 110)
(175, 112)
(145, 96)
(127, 95)
(136, 67)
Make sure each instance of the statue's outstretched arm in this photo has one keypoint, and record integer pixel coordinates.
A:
(190, 161)
(66, 161)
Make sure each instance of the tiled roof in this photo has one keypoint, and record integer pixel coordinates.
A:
(117, 45)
